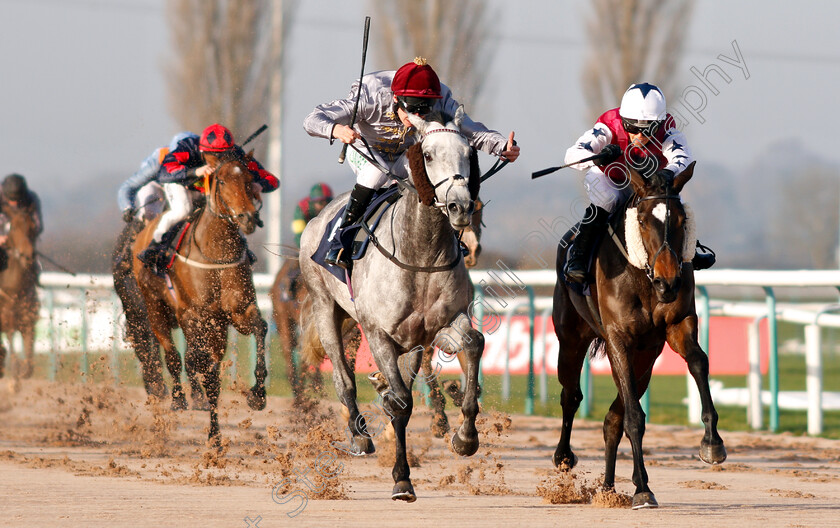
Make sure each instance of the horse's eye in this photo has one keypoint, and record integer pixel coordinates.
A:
(427, 156)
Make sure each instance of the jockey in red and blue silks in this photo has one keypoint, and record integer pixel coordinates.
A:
(641, 134)
(178, 172)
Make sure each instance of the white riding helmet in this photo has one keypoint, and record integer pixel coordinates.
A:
(643, 102)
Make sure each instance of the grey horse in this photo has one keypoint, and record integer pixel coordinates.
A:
(418, 297)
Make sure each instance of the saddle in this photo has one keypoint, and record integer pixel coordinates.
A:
(355, 238)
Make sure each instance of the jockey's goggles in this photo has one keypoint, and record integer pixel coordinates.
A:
(633, 126)
(415, 105)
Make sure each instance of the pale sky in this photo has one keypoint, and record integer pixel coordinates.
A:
(84, 94)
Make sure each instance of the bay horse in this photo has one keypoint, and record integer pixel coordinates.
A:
(19, 305)
(642, 296)
(211, 287)
(150, 202)
(410, 290)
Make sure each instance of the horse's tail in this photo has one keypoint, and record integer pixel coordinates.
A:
(597, 348)
(311, 350)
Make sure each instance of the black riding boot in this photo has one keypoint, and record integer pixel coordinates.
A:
(704, 257)
(581, 248)
(154, 256)
(359, 200)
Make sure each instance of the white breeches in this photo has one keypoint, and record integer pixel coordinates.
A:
(369, 175)
(603, 191)
(180, 206)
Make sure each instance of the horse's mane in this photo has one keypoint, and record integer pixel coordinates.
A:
(425, 189)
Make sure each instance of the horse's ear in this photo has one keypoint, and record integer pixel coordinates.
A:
(637, 181)
(459, 116)
(682, 178)
(425, 189)
(250, 155)
(474, 182)
(418, 122)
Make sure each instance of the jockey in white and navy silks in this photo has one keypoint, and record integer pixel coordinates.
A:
(147, 173)
(385, 100)
(640, 133)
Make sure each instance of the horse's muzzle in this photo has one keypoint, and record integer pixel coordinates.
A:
(667, 290)
(459, 215)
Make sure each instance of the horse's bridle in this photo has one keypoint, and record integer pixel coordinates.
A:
(215, 198)
(649, 267)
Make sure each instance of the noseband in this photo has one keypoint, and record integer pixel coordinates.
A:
(451, 179)
(215, 198)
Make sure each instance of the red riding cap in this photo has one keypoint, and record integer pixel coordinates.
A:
(216, 138)
(416, 79)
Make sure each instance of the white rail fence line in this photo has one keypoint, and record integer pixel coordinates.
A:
(70, 328)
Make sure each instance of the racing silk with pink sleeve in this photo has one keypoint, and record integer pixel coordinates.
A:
(667, 149)
(378, 123)
(180, 164)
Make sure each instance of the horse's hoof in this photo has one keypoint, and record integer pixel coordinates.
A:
(362, 446)
(179, 403)
(404, 491)
(256, 398)
(712, 454)
(563, 462)
(643, 500)
(464, 447)
(440, 425)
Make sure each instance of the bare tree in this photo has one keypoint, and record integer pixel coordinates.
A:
(222, 60)
(453, 36)
(632, 41)
(804, 224)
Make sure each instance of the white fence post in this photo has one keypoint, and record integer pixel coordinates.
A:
(813, 378)
(755, 415)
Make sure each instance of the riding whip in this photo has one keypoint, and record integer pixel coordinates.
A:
(535, 175)
(255, 134)
(54, 263)
(359, 94)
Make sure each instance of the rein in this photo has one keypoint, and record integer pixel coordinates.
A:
(213, 198)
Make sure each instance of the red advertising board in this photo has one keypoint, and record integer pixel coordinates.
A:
(509, 344)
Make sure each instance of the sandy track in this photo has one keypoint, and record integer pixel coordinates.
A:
(73, 455)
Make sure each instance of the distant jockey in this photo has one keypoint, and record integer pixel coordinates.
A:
(386, 99)
(308, 208)
(147, 173)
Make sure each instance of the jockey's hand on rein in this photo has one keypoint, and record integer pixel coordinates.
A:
(667, 174)
(608, 154)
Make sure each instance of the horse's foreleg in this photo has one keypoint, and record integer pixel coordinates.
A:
(634, 423)
(160, 326)
(2, 358)
(196, 363)
(256, 396)
(683, 340)
(440, 423)
(461, 337)
(399, 372)
(613, 430)
(212, 384)
(28, 333)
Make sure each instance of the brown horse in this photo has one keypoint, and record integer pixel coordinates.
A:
(138, 332)
(19, 304)
(212, 287)
(643, 296)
